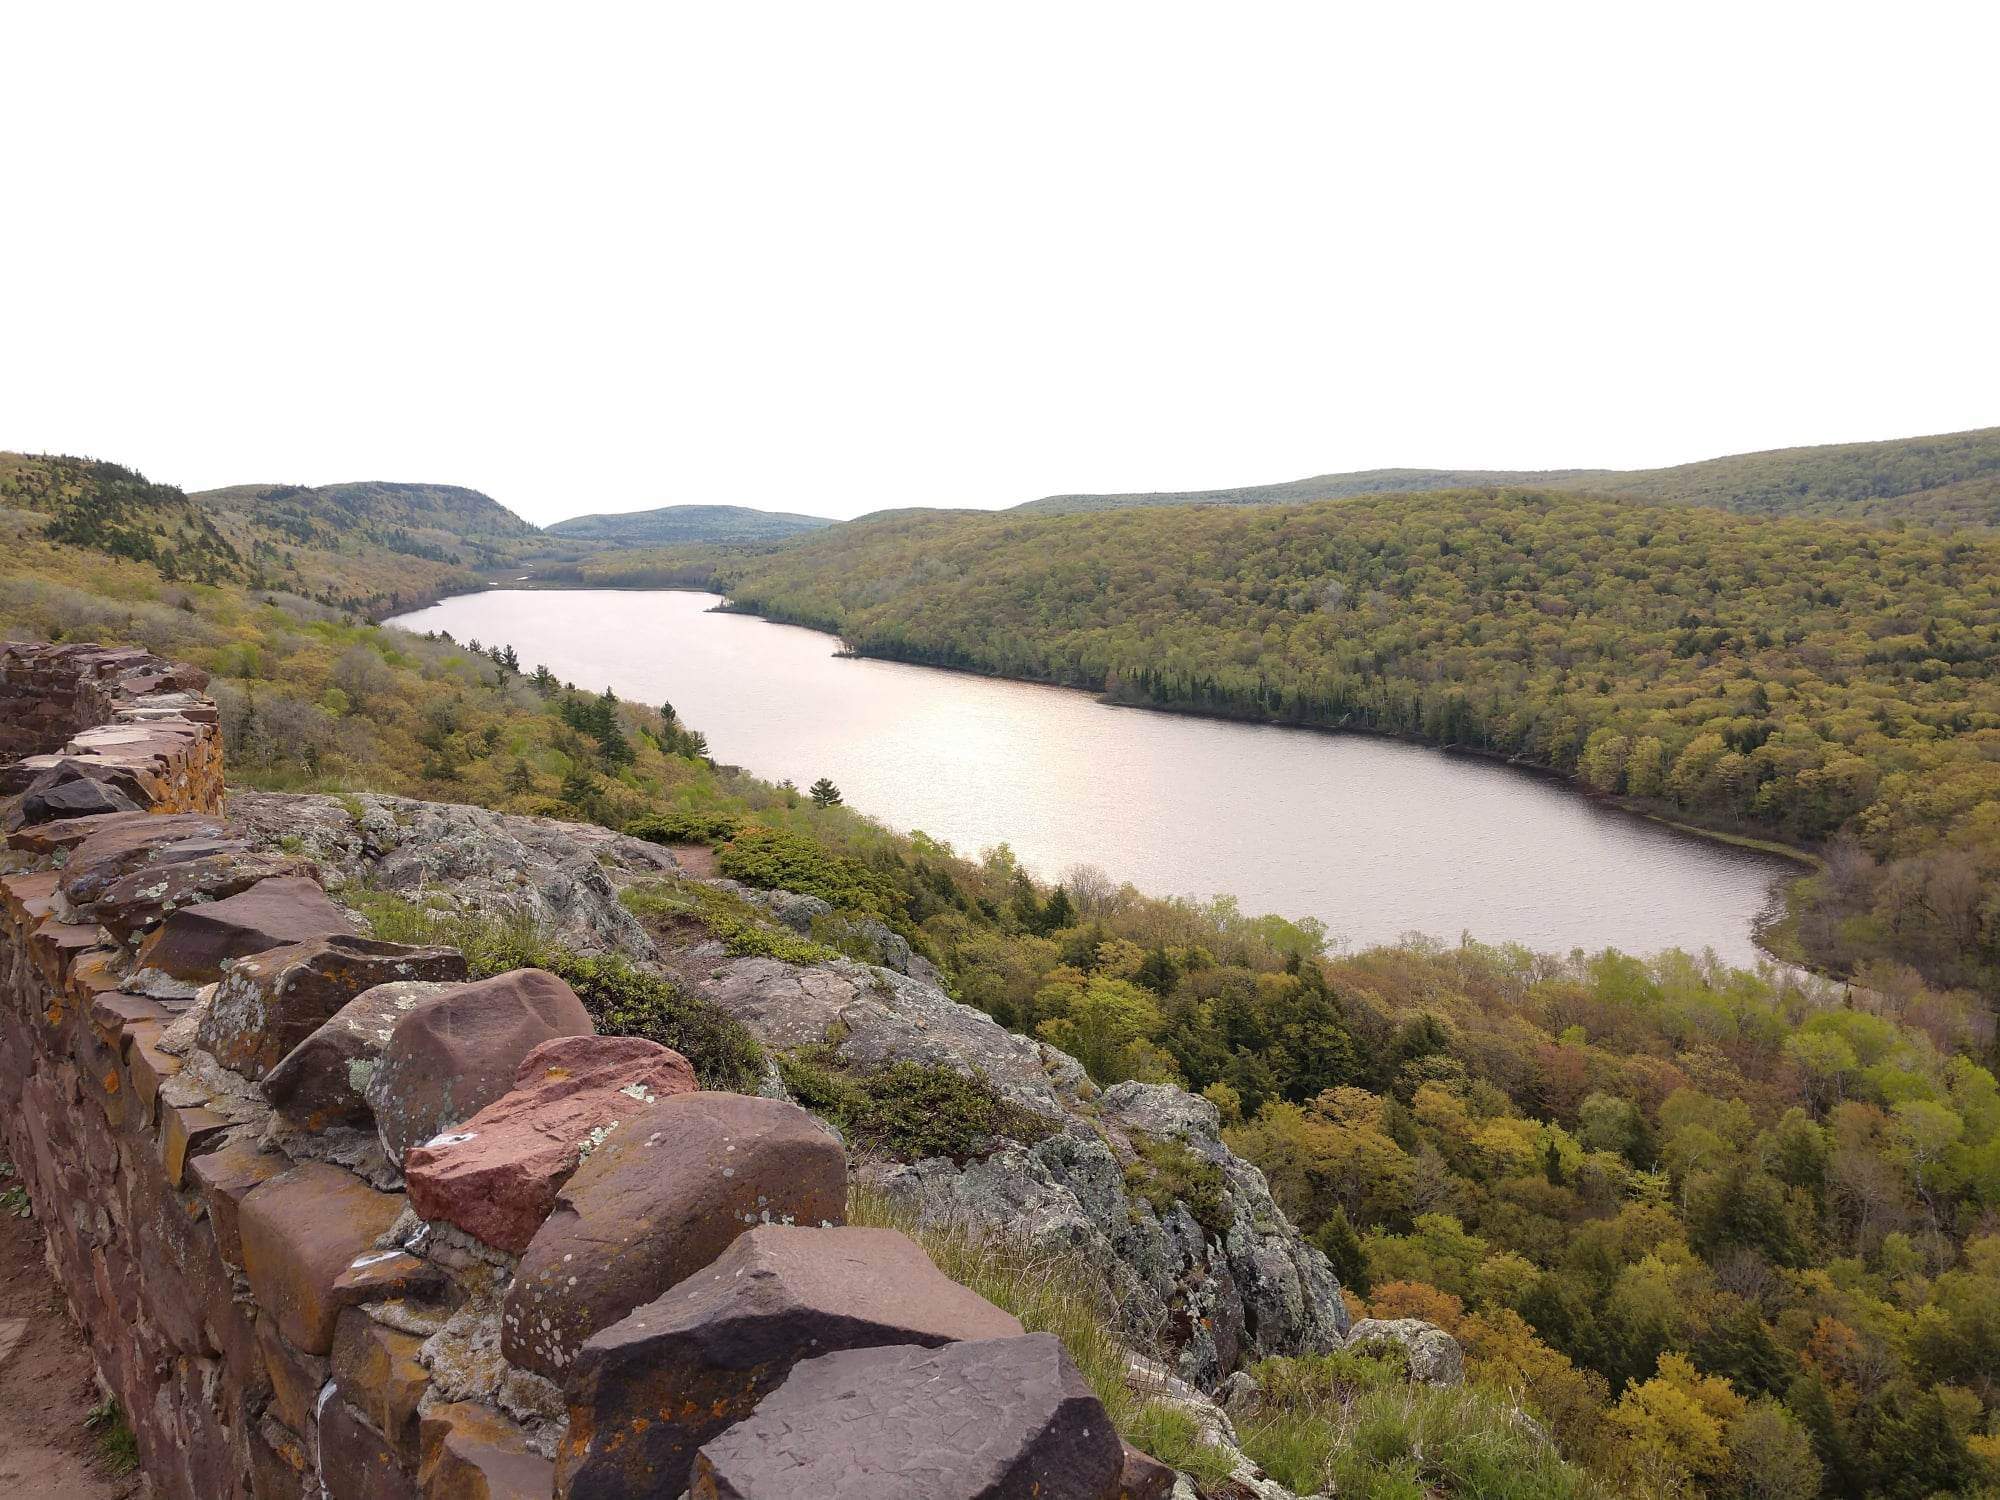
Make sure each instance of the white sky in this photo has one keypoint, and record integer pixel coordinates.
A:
(833, 258)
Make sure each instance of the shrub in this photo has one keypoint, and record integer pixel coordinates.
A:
(910, 1110)
(776, 860)
(1170, 1172)
(686, 827)
(739, 926)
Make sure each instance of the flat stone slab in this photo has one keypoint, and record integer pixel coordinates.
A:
(659, 1200)
(649, 1390)
(137, 901)
(270, 1002)
(998, 1419)
(195, 943)
(495, 1175)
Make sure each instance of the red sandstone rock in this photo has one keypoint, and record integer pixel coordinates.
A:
(1143, 1477)
(323, 1081)
(118, 846)
(186, 1132)
(998, 1419)
(296, 1376)
(300, 1231)
(195, 942)
(225, 1178)
(456, 1053)
(660, 1199)
(137, 901)
(649, 1390)
(495, 1175)
(270, 1002)
(379, 1374)
(44, 839)
(357, 1462)
(473, 1453)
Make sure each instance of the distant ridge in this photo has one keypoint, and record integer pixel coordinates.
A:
(1952, 479)
(688, 523)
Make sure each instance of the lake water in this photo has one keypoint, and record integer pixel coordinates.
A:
(1374, 837)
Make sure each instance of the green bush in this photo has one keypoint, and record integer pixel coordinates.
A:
(738, 925)
(773, 859)
(1170, 1172)
(681, 827)
(909, 1111)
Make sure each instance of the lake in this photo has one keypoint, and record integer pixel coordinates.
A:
(1374, 837)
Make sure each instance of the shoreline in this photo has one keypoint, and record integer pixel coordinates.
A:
(1762, 929)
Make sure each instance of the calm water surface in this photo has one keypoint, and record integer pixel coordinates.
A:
(1373, 837)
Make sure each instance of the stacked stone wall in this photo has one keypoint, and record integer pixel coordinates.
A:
(337, 1219)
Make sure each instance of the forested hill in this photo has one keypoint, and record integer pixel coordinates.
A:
(688, 523)
(1815, 679)
(83, 502)
(1950, 480)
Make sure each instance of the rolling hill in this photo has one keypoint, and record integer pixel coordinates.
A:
(687, 523)
(1951, 480)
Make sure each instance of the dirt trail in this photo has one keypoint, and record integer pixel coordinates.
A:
(46, 1383)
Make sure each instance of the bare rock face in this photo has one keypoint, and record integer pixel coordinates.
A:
(323, 1082)
(194, 944)
(1435, 1356)
(457, 1052)
(646, 1392)
(270, 1002)
(495, 1175)
(660, 1199)
(995, 1419)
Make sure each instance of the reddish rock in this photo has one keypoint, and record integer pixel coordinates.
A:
(999, 1419)
(186, 1132)
(649, 1390)
(453, 1055)
(385, 1274)
(44, 839)
(379, 1374)
(116, 1016)
(146, 1068)
(473, 1453)
(358, 1463)
(195, 942)
(296, 1377)
(660, 1199)
(299, 1232)
(1143, 1477)
(495, 1175)
(117, 846)
(55, 795)
(225, 1177)
(137, 901)
(270, 1002)
(323, 1081)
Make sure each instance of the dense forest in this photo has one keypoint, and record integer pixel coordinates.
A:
(673, 524)
(1699, 1231)
(1952, 480)
(1824, 683)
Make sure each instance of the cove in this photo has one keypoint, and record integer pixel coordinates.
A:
(1376, 838)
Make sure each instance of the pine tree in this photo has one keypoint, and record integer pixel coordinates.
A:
(824, 793)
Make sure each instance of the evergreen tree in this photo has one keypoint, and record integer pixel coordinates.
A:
(824, 793)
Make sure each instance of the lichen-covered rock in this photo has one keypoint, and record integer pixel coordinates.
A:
(1434, 1355)
(646, 1392)
(118, 846)
(270, 1002)
(193, 945)
(142, 898)
(994, 1419)
(660, 1199)
(323, 1082)
(495, 1175)
(455, 1053)
(873, 1018)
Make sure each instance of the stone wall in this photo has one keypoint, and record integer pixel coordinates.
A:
(339, 1220)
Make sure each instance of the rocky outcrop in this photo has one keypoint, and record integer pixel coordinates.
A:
(1434, 1356)
(221, 1087)
(1214, 1298)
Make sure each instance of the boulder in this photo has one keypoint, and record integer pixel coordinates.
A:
(299, 1232)
(649, 1390)
(1435, 1356)
(457, 1052)
(1143, 1477)
(270, 1002)
(495, 1175)
(323, 1082)
(662, 1197)
(194, 944)
(996, 1419)
(50, 799)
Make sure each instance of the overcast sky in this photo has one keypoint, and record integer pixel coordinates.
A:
(833, 258)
